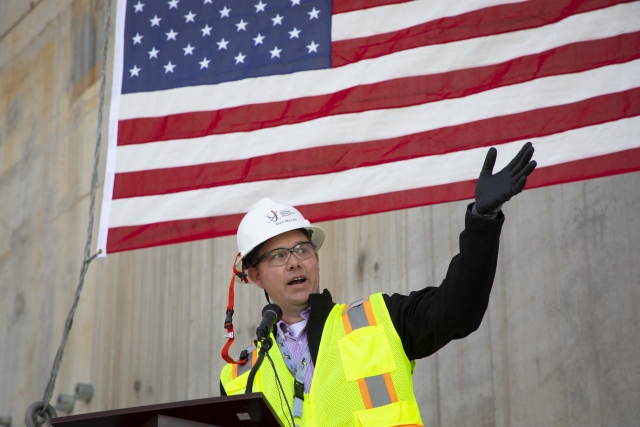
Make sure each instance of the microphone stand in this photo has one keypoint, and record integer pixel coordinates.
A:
(266, 344)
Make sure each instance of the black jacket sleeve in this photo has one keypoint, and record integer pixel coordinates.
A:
(428, 319)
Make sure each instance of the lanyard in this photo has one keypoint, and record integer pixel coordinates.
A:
(298, 372)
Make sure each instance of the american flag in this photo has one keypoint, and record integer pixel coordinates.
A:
(354, 107)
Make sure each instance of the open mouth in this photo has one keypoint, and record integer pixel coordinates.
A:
(297, 281)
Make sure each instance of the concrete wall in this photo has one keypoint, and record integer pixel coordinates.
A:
(559, 345)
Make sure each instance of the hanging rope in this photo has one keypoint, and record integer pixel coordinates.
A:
(41, 412)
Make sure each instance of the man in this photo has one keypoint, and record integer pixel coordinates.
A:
(351, 365)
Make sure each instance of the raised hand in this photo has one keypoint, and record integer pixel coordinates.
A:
(494, 190)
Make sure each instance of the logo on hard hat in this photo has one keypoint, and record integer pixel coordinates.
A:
(272, 218)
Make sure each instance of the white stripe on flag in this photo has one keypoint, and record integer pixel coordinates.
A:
(382, 124)
(395, 17)
(477, 52)
(421, 172)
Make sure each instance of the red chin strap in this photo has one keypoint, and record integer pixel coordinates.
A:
(228, 321)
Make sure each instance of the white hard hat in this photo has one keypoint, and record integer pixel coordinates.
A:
(267, 219)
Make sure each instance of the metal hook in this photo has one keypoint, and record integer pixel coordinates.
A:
(39, 413)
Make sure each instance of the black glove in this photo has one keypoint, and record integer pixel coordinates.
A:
(494, 190)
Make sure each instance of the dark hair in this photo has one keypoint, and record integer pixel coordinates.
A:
(250, 259)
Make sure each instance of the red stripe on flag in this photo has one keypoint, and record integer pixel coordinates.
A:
(341, 6)
(396, 93)
(165, 233)
(484, 22)
(593, 167)
(336, 158)
(137, 237)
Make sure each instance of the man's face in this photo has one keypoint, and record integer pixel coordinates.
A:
(288, 285)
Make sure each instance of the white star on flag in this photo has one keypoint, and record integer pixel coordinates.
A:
(295, 2)
(313, 47)
(155, 21)
(222, 44)
(242, 25)
(240, 58)
(172, 4)
(258, 39)
(260, 6)
(294, 33)
(277, 20)
(208, 1)
(190, 16)
(138, 7)
(135, 71)
(206, 31)
(188, 50)
(275, 52)
(204, 63)
(169, 68)
(313, 14)
(224, 12)
(137, 39)
(171, 35)
(153, 53)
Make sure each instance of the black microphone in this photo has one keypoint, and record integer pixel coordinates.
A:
(271, 314)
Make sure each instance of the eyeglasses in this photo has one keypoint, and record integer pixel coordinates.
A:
(280, 256)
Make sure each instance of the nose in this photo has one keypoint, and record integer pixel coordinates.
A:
(293, 262)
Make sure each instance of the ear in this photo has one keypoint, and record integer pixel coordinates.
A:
(254, 275)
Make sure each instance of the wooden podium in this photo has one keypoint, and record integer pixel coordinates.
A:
(229, 411)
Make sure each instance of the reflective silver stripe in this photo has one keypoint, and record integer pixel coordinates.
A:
(353, 304)
(357, 317)
(247, 366)
(378, 391)
(376, 385)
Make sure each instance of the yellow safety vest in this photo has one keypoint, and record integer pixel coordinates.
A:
(362, 376)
